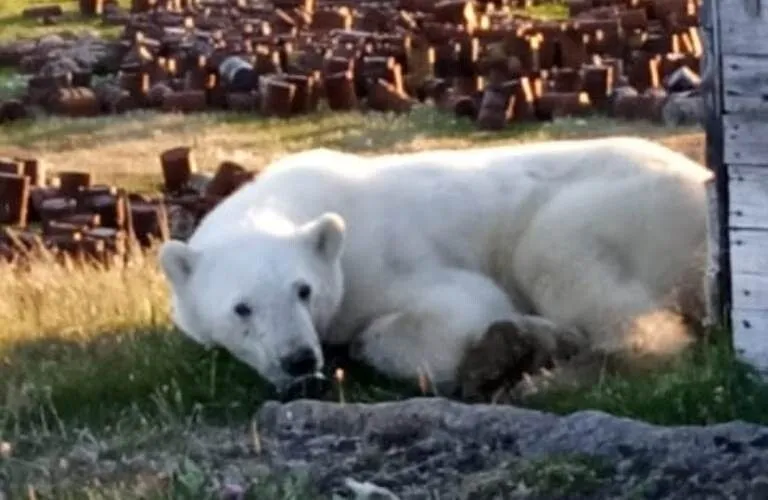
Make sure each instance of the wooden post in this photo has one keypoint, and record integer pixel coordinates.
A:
(719, 261)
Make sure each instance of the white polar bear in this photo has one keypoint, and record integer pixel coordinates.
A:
(411, 258)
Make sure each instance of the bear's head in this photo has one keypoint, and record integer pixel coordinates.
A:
(265, 296)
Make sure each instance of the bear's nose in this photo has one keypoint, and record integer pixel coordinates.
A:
(300, 362)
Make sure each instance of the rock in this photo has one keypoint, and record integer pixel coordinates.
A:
(83, 455)
(683, 109)
(424, 447)
(759, 488)
(369, 491)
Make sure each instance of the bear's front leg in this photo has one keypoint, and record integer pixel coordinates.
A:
(432, 318)
(513, 350)
(459, 331)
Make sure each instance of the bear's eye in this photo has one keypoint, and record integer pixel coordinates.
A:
(304, 291)
(242, 309)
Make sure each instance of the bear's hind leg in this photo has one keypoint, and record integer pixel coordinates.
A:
(630, 330)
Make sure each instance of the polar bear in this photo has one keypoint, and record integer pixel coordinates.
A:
(449, 263)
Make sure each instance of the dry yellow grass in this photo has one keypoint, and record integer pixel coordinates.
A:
(126, 149)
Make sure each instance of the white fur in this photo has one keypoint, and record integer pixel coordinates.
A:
(606, 236)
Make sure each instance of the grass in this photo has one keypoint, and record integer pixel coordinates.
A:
(88, 355)
(14, 27)
(549, 478)
(91, 348)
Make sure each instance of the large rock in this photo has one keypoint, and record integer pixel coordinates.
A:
(430, 446)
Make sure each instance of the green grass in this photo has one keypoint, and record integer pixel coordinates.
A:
(91, 352)
(548, 9)
(94, 349)
(550, 478)
(13, 26)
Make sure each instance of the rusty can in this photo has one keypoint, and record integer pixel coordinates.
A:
(228, 178)
(75, 102)
(340, 91)
(11, 166)
(496, 108)
(243, 102)
(12, 110)
(237, 74)
(559, 104)
(14, 199)
(91, 8)
(147, 222)
(82, 220)
(71, 182)
(276, 96)
(185, 101)
(598, 84)
(55, 207)
(114, 239)
(384, 96)
(305, 87)
(60, 228)
(178, 165)
(34, 169)
(107, 202)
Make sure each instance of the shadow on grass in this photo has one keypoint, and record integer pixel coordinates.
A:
(142, 376)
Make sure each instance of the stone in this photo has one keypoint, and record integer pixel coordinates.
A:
(433, 446)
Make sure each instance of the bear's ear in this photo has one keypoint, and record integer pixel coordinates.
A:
(326, 235)
(177, 261)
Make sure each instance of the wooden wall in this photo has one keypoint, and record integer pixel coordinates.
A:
(736, 33)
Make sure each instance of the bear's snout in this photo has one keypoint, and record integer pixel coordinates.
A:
(300, 362)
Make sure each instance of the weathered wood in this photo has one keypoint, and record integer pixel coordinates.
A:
(742, 31)
(748, 191)
(736, 61)
(745, 139)
(750, 291)
(712, 94)
(750, 336)
(714, 313)
(749, 252)
(745, 84)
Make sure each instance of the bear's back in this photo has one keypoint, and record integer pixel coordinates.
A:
(457, 182)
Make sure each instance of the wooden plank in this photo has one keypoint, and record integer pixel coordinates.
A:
(744, 138)
(750, 336)
(711, 90)
(745, 84)
(742, 31)
(749, 251)
(714, 304)
(748, 197)
(749, 291)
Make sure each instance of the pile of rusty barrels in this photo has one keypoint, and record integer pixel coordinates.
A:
(69, 216)
(480, 59)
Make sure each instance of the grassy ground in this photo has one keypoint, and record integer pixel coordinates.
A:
(13, 26)
(94, 349)
(89, 360)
